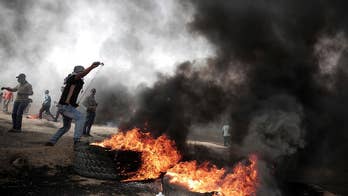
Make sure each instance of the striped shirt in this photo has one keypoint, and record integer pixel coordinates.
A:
(23, 91)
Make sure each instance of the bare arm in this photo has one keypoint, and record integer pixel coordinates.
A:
(86, 71)
(9, 89)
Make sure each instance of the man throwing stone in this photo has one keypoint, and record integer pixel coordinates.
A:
(68, 103)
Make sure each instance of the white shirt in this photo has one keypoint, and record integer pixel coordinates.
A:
(226, 130)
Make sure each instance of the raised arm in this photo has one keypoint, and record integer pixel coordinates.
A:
(9, 89)
(86, 71)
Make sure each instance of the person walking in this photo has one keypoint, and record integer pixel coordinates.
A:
(91, 106)
(46, 105)
(68, 103)
(24, 90)
(8, 98)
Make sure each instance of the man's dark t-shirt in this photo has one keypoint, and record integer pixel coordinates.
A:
(73, 88)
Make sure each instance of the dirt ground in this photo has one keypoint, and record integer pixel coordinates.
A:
(30, 168)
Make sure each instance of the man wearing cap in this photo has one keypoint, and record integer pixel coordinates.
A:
(68, 103)
(91, 106)
(24, 90)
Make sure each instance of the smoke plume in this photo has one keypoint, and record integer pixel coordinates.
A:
(279, 71)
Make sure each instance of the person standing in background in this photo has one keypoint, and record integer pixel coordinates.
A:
(226, 134)
(91, 106)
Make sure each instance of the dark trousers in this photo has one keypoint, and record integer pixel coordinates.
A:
(227, 140)
(89, 122)
(17, 113)
(46, 109)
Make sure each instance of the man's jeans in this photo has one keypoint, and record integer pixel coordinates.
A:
(69, 113)
(17, 113)
(89, 122)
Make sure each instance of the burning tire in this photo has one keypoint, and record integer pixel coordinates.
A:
(176, 190)
(101, 163)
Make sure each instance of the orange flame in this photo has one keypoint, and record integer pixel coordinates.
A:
(208, 178)
(158, 155)
(33, 116)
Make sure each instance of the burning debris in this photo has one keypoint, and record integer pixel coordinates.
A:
(160, 156)
(157, 155)
(205, 178)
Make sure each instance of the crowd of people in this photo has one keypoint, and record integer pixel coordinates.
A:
(66, 107)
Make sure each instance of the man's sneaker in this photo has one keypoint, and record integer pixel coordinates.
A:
(89, 135)
(14, 131)
(49, 144)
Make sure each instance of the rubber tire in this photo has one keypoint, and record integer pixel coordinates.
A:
(95, 162)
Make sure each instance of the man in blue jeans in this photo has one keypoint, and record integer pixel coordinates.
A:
(68, 103)
(24, 90)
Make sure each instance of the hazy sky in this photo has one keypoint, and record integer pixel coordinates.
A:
(135, 39)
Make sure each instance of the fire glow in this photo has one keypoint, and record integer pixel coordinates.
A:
(157, 155)
(33, 116)
(242, 181)
(161, 156)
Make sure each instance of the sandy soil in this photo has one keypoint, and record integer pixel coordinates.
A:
(29, 144)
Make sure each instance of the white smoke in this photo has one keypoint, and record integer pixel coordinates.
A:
(134, 38)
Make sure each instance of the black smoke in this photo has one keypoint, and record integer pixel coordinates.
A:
(266, 63)
(275, 40)
(175, 102)
(115, 102)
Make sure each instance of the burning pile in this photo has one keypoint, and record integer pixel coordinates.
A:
(157, 155)
(160, 155)
(242, 181)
